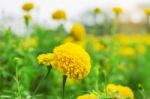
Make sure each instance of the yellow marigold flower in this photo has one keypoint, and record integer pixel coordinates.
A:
(117, 10)
(45, 59)
(27, 16)
(125, 92)
(111, 90)
(59, 15)
(97, 10)
(28, 6)
(127, 51)
(78, 31)
(88, 96)
(147, 11)
(70, 59)
(119, 92)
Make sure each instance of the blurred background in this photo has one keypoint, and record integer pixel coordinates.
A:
(132, 16)
(115, 34)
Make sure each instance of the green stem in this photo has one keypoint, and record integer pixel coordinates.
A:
(38, 86)
(115, 25)
(148, 23)
(49, 69)
(64, 82)
(18, 85)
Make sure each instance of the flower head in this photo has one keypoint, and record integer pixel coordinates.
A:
(147, 11)
(70, 59)
(117, 10)
(119, 92)
(28, 6)
(78, 31)
(97, 10)
(45, 59)
(59, 15)
(88, 96)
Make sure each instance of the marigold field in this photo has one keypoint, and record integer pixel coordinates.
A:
(101, 61)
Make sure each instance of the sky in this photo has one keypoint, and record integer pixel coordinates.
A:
(44, 8)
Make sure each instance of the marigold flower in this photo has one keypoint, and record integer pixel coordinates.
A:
(78, 31)
(147, 11)
(45, 59)
(70, 59)
(88, 96)
(127, 51)
(118, 91)
(97, 10)
(59, 15)
(117, 10)
(28, 6)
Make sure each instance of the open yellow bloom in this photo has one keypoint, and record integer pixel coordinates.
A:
(147, 11)
(45, 59)
(71, 60)
(119, 92)
(127, 51)
(59, 15)
(97, 10)
(88, 96)
(78, 31)
(28, 6)
(117, 10)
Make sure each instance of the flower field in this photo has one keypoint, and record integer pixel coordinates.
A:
(88, 62)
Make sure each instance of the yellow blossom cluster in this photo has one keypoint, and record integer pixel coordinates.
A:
(70, 59)
(59, 15)
(117, 10)
(119, 92)
(28, 6)
(78, 31)
(147, 11)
